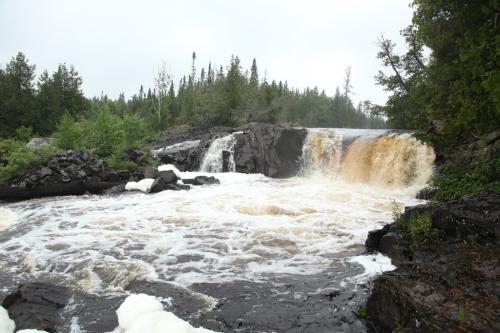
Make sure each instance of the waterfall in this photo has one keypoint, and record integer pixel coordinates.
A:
(371, 157)
(322, 152)
(213, 161)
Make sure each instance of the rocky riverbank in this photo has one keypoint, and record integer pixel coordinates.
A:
(273, 150)
(448, 276)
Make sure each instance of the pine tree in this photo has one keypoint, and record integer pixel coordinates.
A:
(254, 75)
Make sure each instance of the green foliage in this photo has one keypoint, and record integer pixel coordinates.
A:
(459, 83)
(41, 108)
(16, 158)
(112, 136)
(420, 233)
(69, 133)
(458, 177)
(362, 313)
(461, 314)
(24, 133)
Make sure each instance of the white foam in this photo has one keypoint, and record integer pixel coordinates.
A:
(373, 264)
(31, 331)
(246, 228)
(141, 313)
(6, 324)
(143, 185)
(7, 218)
(134, 306)
(167, 167)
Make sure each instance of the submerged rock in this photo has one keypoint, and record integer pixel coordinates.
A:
(201, 180)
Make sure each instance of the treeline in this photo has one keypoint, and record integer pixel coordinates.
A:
(222, 96)
(233, 97)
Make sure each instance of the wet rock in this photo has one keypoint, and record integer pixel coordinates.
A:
(226, 164)
(426, 193)
(37, 306)
(159, 185)
(475, 215)
(168, 176)
(201, 180)
(150, 172)
(452, 285)
(117, 189)
(73, 172)
(372, 242)
(273, 150)
(167, 180)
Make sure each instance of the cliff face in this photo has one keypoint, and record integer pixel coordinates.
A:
(448, 282)
(273, 150)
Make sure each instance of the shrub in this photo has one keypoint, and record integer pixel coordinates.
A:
(15, 159)
(419, 231)
(458, 178)
(69, 133)
(24, 133)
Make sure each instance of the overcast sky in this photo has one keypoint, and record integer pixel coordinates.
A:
(116, 45)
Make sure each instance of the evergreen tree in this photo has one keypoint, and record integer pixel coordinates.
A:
(17, 95)
(254, 75)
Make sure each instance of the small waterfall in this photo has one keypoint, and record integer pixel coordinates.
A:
(378, 158)
(322, 152)
(213, 160)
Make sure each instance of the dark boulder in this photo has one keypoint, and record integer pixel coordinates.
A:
(37, 306)
(168, 176)
(150, 172)
(273, 150)
(167, 180)
(201, 180)
(372, 242)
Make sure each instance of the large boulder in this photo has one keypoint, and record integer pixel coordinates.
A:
(37, 306)
(273, 150)
(37, 143)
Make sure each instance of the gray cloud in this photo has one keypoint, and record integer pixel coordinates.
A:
(116, 44)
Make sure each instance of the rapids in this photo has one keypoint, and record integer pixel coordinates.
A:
(249, 228)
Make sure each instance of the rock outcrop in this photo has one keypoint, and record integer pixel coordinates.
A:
(73, 172)
(451, 285)
(273, 150)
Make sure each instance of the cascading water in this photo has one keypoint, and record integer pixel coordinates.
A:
(305, 231)
(213, 160)
(372, 157)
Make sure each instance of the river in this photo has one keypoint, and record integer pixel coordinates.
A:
(286, 239)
